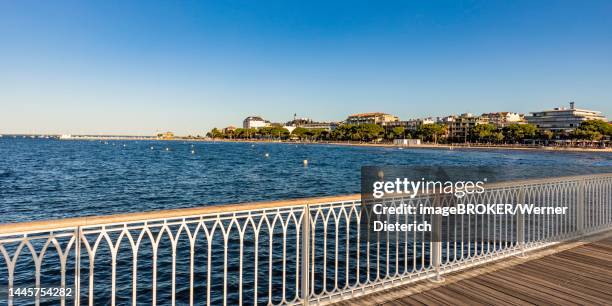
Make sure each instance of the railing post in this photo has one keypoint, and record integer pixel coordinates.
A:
(520, 222)
(580, 208)
(436, 258)
(436, 243)
(77, 266)
(306, 255)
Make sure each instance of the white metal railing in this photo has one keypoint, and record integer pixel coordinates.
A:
(254, 253)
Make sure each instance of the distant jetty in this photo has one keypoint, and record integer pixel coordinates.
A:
(106, 137)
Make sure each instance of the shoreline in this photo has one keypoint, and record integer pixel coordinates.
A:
(422, 146)
(380, 145)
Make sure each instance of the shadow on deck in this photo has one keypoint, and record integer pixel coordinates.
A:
(568, 274)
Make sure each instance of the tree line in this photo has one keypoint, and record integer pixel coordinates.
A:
(590, 130)
(432, 132)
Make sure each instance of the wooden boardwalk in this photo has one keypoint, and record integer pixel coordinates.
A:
(571, 274)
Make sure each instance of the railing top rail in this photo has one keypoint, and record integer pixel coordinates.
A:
(49, 225)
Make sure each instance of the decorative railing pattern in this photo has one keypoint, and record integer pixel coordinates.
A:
(255, 253)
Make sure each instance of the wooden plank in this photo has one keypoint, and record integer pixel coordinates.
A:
(587, 255)
(568, 280)
(479, 294)
(560, 286)
(475, 284)
(425, 299)
(582, 274)
(526, 291)
(404, 302)
(450, 297)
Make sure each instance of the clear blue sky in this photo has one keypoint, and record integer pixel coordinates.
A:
(140, 66)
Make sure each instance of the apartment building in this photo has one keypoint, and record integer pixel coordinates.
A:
(308, 123)
(561, 119)
(459, 127)
(370, 118)
(503, 119)
(409, 125)
(254, 122)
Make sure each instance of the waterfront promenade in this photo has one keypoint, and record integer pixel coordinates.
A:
(453, 146)
(576, 273)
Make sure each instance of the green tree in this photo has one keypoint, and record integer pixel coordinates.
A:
(546, 135)
(483, 132)
(300, 132)
(361, 132)
(325, 134)
(529, 130)
(341, 132)
(273, 132)
(432, 131)
(498, 137)
(369, 132)
(592, 130)
(586, 134)
(518, 132)
(396, 132)
(315, 134)
(240, 133)
(215, 133)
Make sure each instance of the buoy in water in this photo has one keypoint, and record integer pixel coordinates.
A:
(305, 162)
(151, 148)
(192, 151)
(267, 155)
(167, 149)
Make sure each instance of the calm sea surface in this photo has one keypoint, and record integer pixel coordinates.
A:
(46, 179)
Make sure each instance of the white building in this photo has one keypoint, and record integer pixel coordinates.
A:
(563, 119)
(503, 119)
(254, 122)
(370, 118)
(308, 123)
(407, 142)
(410, 125)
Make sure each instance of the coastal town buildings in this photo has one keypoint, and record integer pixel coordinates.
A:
(298, 121)
(409, 125)
(371, 118)
(254, 122)
(562, 119)
(459, 127)
(329, 126)
(308, 123)
(503, 119)
(229, 129)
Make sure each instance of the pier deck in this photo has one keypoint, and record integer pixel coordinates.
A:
(577, 273)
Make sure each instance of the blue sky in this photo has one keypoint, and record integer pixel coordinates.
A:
(136, 67)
